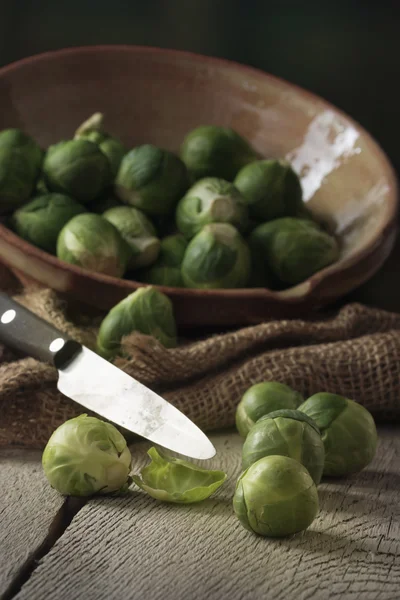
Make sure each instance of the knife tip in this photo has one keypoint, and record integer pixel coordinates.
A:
(207, 452)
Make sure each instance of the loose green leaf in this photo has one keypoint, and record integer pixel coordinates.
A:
(174, 480)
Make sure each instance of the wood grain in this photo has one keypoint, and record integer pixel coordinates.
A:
(135, 547)
(27, 508)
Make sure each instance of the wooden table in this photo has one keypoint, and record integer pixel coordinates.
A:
(133, 547)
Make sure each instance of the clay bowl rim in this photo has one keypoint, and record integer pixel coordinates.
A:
(290, 295)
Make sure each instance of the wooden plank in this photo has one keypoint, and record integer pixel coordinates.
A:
(135, 547)
(27, 508)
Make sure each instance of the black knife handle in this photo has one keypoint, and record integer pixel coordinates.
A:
(24, 331)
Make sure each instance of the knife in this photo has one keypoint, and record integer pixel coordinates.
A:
(99, 386)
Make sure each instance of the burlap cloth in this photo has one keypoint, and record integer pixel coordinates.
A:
(354, 351)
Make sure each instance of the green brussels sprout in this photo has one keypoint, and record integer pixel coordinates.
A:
(171, 479)
(293, 249)
(276, 497)
(20, 162)
(151, 179)
(172, 251)
(86, 456)
(41, 187)
(163, 275)
(91, 242)
(287, 433)
(167, 268)
(77, 168)
(16, 180)
(271, 189)
(15, 139)
(261, 399)
(41, 220)
(138, 232)
(93, 130)
(348, 432)
(259, 242)
(295, 256)
(210, 200)
(212, 151)
(217, 257)
(112, 148)
(104, 202)
(147, 311)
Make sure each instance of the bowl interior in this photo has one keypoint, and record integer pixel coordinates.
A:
(157, 96)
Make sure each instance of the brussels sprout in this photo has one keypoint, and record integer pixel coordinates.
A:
(293, 249)
(259, 242)
(86, 456)
(93, 130)
(262, 236)
(41, 220)
(211, 151)
(138, 232)
(261, 399)
(295, 256)
(151, 179)
(90, 241)
(174, 480)
(15, 139)
(172, 251)
(41, 187)
(163, 275)
(77, 168)
(20, 161)
(112, 148)
(104, 202)
(146, 310)
(217, 257)
(348, 432)
(271, 189)
(210, 200)
(16, 180)
(167, 268)
(276, 497)
(287, 433)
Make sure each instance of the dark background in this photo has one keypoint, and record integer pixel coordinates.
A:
(346, 51)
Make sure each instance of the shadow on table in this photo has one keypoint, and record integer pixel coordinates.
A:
(18, 454)
(354, 505)
(320, 543)
(387, 480)
(221, 504)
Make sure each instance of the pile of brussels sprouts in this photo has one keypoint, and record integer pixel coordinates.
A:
(289, 444)
(216, 216)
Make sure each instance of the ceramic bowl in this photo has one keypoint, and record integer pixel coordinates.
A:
(156, 96)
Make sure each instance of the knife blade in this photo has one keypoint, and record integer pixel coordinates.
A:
(99, 386)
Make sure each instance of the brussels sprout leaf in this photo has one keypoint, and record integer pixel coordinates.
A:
(174, 480)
